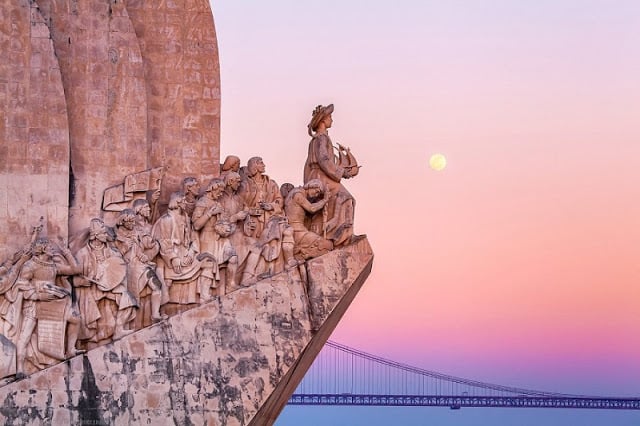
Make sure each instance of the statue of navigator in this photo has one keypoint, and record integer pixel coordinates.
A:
(335, 222)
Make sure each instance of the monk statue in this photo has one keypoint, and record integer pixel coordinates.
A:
(180, 262)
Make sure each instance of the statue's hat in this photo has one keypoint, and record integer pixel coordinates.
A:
(319, 114)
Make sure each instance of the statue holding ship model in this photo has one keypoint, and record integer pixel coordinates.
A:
(337, 217)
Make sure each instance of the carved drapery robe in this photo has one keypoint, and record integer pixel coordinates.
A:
(323, 164)
(47, 343)
(210, 241)
(129, 243)
(177, 241)
(257, 189)
(102, 292)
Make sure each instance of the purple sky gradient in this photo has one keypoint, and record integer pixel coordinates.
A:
(519, 263)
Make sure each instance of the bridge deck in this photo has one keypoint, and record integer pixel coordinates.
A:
(345, 376)
(456, 402)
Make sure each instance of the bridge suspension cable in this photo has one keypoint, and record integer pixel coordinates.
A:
(342, 375)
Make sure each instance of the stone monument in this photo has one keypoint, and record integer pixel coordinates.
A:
(141, 280)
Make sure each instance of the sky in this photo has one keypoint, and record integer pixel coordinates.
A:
(517, 264)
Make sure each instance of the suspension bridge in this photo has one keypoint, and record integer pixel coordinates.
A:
(341, 375)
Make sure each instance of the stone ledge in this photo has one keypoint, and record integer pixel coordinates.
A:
(233, 361)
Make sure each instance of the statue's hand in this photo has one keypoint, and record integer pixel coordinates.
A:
(266, 206)
(214, 210)
(330, 224)
(46, 297)
(175, 264)
(149, 243)
(49, 295)
(22, 255)
(63, 244)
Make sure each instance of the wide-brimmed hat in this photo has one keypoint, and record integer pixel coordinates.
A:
(319, 113)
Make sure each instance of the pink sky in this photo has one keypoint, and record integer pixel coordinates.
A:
(520, 262)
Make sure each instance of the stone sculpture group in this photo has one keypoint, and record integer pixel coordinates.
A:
(58, 299)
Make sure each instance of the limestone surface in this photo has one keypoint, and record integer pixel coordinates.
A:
(34, 131)
(126, 86)
(182, 76)
(103, 77)
(233, 361)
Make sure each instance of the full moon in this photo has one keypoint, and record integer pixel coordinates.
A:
(437, 162)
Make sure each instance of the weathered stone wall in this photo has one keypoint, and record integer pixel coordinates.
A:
(103, 77)
(34, 132)
(140, 89)
(182, 75)
(142, 82)
(234, 361)
(333, 282)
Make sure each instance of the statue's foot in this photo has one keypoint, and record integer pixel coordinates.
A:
(248, 279)
(75, 352)
(20, 375)
(356, 238)
(158, 318)
(264, 276)
(121, 333)
(343, 235)
(205, 299)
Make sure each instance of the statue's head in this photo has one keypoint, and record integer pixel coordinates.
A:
(285, 189)
(42, 246)
(98, 230)
(320, 114)
(314, 188)
(175, 200)
(190, 185)
(126, 218)
(215, 188)
(255, 165)
(232, 180)
(231, 163)
(141, 207)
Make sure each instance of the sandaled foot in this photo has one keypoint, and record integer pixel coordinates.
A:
(159, 318)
